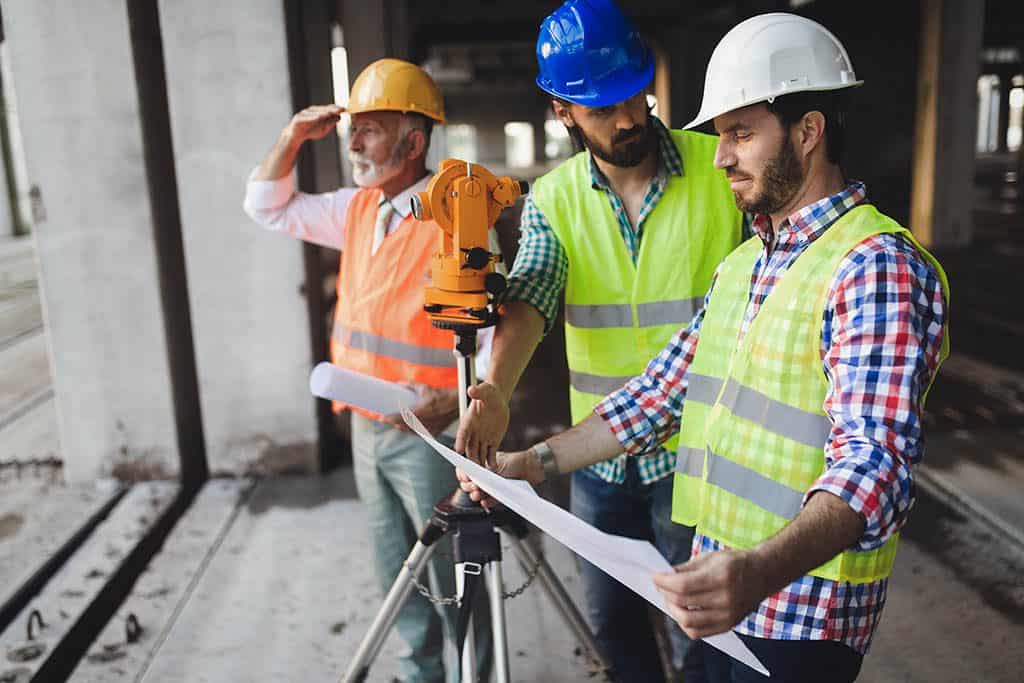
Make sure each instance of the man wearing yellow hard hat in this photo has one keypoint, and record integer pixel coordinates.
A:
(380, 328)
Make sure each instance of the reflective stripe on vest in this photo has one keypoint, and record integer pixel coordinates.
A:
(702, 389)
(810, 429)
(740, 481)
(650, 314)
(595, 384)
(690, 461)
(674, 312)
(753, 487)
(595, 316)
(382, 346)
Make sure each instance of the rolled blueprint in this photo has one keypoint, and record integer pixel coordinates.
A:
(356, 389)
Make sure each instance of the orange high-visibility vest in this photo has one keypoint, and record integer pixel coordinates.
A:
(380, 328)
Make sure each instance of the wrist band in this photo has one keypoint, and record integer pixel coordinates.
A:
(547, 460)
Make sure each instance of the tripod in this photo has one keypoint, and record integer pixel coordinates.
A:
(477, 553)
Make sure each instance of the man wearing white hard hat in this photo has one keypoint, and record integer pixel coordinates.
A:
(797, 391)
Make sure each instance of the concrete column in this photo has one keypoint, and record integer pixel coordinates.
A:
(229, 96)
(944, 140)
(373, 30)
(73, 67)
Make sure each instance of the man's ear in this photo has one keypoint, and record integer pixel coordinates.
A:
(417, 141)
(810, 132)
(562, 113)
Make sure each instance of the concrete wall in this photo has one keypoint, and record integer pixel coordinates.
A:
(229, 96)
(73, 68)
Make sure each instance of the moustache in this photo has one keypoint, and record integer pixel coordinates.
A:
(634, 133)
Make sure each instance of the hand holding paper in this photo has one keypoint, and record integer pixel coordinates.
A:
(630, 561)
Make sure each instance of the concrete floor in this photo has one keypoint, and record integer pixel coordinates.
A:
(276, 585)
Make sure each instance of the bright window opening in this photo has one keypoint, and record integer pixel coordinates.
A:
(518, 144)
(460, 141)
(557, 143)
(988, 113)
(1015, 128)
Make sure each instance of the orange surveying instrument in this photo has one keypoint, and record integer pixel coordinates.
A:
(465, 199)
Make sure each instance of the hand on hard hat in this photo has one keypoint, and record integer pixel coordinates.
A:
(313, 123)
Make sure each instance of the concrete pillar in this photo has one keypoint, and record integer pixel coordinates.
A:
(229, 96)
(944, 139)
(373, 30)
(73, 68)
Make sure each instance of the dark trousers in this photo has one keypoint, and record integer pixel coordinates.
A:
(789, 661)
(619, 617)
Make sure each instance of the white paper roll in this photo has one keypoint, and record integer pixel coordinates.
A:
(337, 384)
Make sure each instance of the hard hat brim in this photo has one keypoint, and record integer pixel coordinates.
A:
(402, 110)
(609, 95)
(704, 117)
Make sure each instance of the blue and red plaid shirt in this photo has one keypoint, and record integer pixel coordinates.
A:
(880, 340)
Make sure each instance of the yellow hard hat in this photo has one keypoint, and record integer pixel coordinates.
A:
(395, 85)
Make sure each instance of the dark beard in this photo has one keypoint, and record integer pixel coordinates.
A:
(627, 155)
(780, 180)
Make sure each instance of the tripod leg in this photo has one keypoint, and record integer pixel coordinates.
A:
(467, 659)
(530, 557)
(396, 597)
(495, 589)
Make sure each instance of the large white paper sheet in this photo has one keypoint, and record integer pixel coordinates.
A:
(338, 384)
(628, 560)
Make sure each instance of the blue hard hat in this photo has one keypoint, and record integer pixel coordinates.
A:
(590, 54)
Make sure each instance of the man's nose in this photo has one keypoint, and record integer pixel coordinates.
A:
(625, 120)
(724, 155)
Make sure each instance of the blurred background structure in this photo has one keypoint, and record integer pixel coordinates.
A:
(150, 334)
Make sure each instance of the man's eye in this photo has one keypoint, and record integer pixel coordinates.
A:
(741, 136)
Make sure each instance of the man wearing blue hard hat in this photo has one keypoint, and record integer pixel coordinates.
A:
(630, 230)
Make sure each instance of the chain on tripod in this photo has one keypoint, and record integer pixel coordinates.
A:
(446, 601)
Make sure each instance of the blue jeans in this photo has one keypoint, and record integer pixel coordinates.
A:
(792, 661)
(399, 478)
(618, 616)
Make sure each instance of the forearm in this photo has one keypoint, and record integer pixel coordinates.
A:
(280, 160)
(825, 527)
(588, 443)
(515, 339)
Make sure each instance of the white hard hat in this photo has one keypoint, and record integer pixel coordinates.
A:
(771, 55)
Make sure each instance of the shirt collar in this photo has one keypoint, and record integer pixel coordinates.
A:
(807, 223)
(402, 202)
(670, 162)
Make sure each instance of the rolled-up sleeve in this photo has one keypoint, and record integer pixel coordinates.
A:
(884, 326)
(646, 411)
(316, 218)
(541, 268)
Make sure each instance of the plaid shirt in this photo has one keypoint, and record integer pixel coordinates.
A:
(880, 340)
(541, 268)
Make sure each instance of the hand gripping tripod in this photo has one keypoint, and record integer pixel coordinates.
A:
(465, 200)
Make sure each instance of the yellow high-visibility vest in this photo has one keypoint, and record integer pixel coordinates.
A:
(618, 316)
(753, 425)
